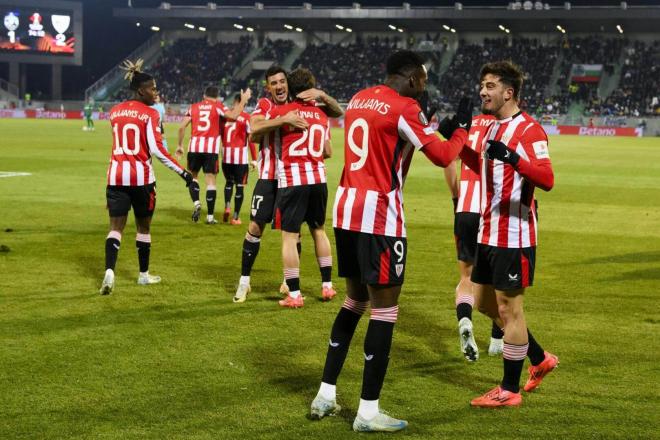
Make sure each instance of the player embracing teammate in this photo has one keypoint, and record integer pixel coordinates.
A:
(302, 193)
(264, 129)
(384, 125)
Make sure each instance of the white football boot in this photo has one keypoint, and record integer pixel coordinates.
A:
(108, 282)
(468, 344)
(144, 278)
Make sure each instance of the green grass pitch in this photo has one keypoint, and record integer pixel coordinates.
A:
(179, 360)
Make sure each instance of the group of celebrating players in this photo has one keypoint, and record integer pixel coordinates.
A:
(504, 154)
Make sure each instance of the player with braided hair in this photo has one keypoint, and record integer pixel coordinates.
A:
(131, 180)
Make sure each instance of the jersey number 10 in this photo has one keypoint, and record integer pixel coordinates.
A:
(125, 147)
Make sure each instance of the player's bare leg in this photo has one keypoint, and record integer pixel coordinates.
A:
(143, 244)
(193, 189)
(251, 245)
(348, 317)
(487, 305)
(112, 244)
(284, 288)
(211, 192)
(464, 305)
(291, 264)
(324, 258)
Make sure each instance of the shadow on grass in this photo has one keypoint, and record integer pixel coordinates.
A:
(445, 364)
(636, 257)
(637, 275)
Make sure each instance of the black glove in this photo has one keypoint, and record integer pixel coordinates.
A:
(446, 127)
(185, 175)
(463, 116)
(498, 150)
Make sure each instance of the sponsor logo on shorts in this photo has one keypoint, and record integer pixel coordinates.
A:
(334, 344)
(513, 277)
(399, 269)
(368, 356)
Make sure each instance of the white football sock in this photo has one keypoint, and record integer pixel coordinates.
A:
(327, 391)
(368, 409)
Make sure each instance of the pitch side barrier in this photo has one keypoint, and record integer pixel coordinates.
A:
(336, 123)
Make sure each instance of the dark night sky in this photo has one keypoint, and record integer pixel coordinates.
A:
(108, 40)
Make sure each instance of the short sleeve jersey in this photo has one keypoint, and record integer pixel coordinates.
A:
(205, 120)
(235, 137)
(382, 129)
(136, 137)
(300, 152)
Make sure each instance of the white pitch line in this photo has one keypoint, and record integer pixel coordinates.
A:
(13, 174)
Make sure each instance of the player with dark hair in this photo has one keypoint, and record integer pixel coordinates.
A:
(204, 145)
(384, 125)
(465, 189)
(235, 165)
(131, 179)
(514, 161)
(302, 193)
(263, 128)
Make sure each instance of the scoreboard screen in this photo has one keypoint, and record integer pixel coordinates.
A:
(48, 33)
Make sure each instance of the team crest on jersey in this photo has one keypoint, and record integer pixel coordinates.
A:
(422, 118)
(399, 269)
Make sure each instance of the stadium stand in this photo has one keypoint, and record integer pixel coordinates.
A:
(185, 66)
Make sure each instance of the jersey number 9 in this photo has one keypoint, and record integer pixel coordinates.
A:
(362, 150)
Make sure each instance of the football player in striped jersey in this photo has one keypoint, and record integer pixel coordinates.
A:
(131, 180)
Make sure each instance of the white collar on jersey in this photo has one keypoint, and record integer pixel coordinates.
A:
(510, 118)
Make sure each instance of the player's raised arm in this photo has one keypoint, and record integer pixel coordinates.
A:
(330, 105)
(233, 113)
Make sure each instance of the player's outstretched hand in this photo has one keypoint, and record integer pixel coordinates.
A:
(498, 150)
(185, 175)
(253, 165)
(446, 127)
(293, 119)
(463, 116)
(178, 152)
(246, 95)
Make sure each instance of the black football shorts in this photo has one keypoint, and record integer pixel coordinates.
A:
(263, 201)
(208, 162)
(466, 229)
(504, 268)
(374, 259)
(301, 204)
(120, 199)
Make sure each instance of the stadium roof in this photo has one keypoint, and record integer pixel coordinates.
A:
(469, 18)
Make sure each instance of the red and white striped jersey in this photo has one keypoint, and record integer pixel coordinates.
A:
(136, 136)
(469, 185)
(300, 154)
(381, 130)
(266, 161)
(508, 217)
(205, 120)
(236, 140)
